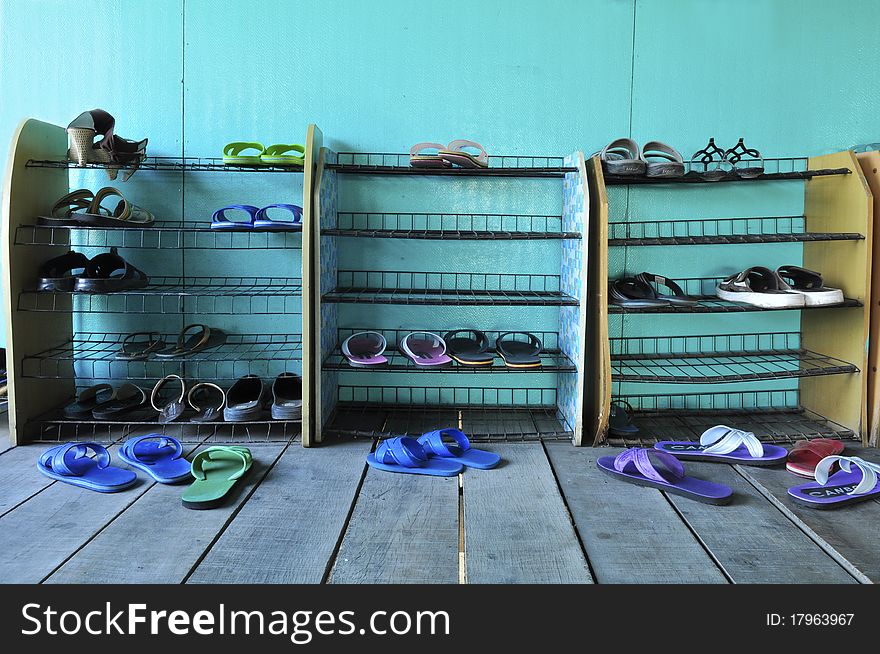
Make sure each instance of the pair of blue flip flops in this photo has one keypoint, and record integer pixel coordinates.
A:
(159, 456)
(258, 219)
(439, 453)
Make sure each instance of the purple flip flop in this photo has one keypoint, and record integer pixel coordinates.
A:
(635, 466)
(847, 486)
(726, 445)
(364, 349)
(425, 349)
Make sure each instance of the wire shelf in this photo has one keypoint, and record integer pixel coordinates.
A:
(161, 235)
(169, 164)
(447, 288)
(93, 356)
(703, 288)
(198, 295)
(719, 358)
(450, 226)
(386, 163)
(773, 416)
(484, 414)
(719, 231)
(781, 168)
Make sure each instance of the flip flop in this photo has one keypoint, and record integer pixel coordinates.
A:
(455, 153)
(174, 409)
(221, 222)
(124, 214)
(110, 273)
(678, 296)
(459, 450)
(89, 399)
(263, 223)
(620, 419)
(277, 155)
(425, 349)
(809, 284)
(71, 464)
(232, 153)
(217, 469)
(244, 400)
(623, 157)
(753, 166)
(287, 397)
(61, 273)
(203, 338)
(662, 160)
(418, 158)
(634, 292)
(208, 413)
(846, 486)
(162, 460)
(364, 349)
(134, 350)
(635, 466)
(806, 455)
(519, 354)
(469, 351)
(726, 445)
(126, 398)
(711, 163)
(405, 454)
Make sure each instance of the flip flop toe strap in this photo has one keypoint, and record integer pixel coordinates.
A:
(403, 451)
(639, 460)
(433, 442)
(130, 447)
(220, 453)
(721, 439)
(59, 459)
(868, 469)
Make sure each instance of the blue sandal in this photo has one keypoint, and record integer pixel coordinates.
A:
(71, 464)
(220, 221)
(405, 454)
(162, 460)
(266, 224)
(460, 451)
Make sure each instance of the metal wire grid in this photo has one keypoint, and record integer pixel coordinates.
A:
(703, 288)
(774, 169)
(389, 163)
(719, 231)
(447, 288)
(170, 164)
(166, 295)
(719, 358)
(450, 226)
(162, 235)
(484, 414)
(94, 356)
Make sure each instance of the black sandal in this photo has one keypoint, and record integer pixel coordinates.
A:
(100, 278)
(134, 350)
(200, 393)
(519, 354)
(204, 338)
(633, 292)
(678, 297)
(113, 149)
(58, 274)
(711, 162)
(127, 397)
(466, 350)
(753, 166)
(620, 421)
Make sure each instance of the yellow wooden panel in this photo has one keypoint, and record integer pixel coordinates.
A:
(870, 163)
(310, 257)
(839, 203)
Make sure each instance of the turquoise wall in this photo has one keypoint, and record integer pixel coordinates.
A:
(794, 77)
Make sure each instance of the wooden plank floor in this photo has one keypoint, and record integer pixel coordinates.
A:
(547, 515)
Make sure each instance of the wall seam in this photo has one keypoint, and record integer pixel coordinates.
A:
(183, 154)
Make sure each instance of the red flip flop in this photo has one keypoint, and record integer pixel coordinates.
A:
(805, 455)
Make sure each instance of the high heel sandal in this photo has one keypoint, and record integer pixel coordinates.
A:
(111, 149)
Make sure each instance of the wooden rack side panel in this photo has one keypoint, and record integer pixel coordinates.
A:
(310, 242)
(870, 163)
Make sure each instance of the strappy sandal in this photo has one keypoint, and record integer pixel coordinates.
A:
(200, 393)
(455, 153)
(622, 157)
(124, 214)
(662, 160)
(192, 339)
(365, 349)
(82, 132)
(517, 353)
(419, 158)
(746, 162)
(89, 399)
(279, 155)
(232, 153)
(711, 163)
(470, 347)
(59, 274)
(127, 397)
(678, 296)
(634, 293)
(263, 223)
(67, 208)
(135, 347)
(620, 421)
(172, 410)
(101, 277)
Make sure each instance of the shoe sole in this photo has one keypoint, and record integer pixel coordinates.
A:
(763, 300)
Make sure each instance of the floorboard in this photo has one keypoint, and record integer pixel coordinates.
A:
(632, 535)
(288, 530)
(516, 527)
(19, 477)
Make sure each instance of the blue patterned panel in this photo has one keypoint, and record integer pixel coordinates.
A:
(328, 253)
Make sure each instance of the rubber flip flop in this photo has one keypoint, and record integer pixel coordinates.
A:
(470, 347)
(806, 455)
(244, 400)
(232, 153)
(711, 163)
(406, 455)
(201, 393)
(726, 445)
(277, 155)
(662, 160)
(67, 209)
(620, 421)
(517, 353)
(127, 397)
(746, 162)
(162, 460)
(847, 486)
(216, 469)
(89, 399)
(678, 297)
(221, 222)
(634, 293)
(201, 338)
(437, 443)
(419, 157)
(287, 397)
(622, 157)
(809, 283)
(169, 411)
(456, 153)
(136, 347)
(70, 463)
(263, 223)
(365, 349)
(61, 273)
(110, 273)
(635, 466)
(124, 214)
(425, 349)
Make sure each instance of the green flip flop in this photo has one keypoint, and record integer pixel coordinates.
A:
(277, 155)
(216, 469)
(232, 153)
